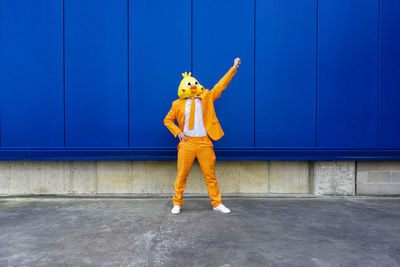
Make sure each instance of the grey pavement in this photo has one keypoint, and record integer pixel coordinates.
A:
(142, 232)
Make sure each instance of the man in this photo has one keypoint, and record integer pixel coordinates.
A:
(198, 126)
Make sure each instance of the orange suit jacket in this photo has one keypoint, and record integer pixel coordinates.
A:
(210, 120)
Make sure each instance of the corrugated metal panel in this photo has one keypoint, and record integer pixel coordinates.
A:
(31, 73)
(347, 73)
(389, 115)
(285, 73)
(96, 72)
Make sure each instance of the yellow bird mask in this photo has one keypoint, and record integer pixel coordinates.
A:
(189, 86)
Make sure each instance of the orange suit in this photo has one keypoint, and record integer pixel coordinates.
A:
(200, 147)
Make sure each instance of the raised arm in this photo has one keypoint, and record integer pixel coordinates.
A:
(169, 121)
(223, 83)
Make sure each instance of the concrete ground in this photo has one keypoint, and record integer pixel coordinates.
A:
(142, 232)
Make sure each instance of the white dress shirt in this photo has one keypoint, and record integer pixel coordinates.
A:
(198, 127)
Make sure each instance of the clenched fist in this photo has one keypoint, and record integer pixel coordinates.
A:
(236, 63)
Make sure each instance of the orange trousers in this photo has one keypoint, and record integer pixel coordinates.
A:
(203, 149)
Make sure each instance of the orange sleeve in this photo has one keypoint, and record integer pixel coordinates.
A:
(169, 121)
(223, 83)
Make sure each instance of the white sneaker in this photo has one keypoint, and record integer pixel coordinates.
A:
(176, 209)
(222, 208)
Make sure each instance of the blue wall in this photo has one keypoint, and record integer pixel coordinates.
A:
(94, 79)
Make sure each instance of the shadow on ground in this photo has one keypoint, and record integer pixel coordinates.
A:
(142, 232)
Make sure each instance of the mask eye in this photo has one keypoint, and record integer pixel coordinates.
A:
(188, 84)
(196, 83)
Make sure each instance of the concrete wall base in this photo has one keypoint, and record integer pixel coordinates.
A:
(98, 178)
(334, 178)
(378, 178)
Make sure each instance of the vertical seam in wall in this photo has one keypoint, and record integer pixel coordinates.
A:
(69, 165)
(269, 175)
(316, 80)
(310, 177)
(97, 176)
(128, 63)
(355, 178)
(191, 36)
(379, 76)
(63, 55)
(254, 77)
(131, 162)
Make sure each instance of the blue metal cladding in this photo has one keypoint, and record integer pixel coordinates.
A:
(389, 119)
(31, 73)
(160, 50)
(347, 73)
(94, 79)
(285, 73)
(222, 31)
(96, 73)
